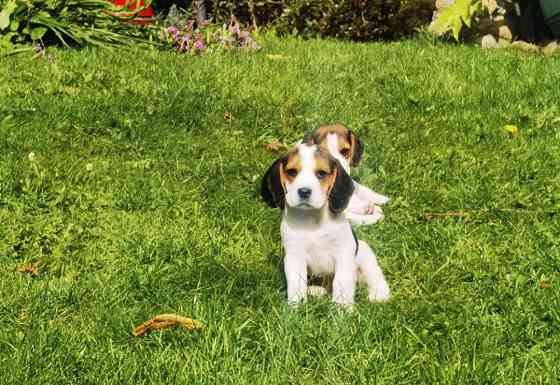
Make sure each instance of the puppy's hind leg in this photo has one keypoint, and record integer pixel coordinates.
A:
(370, 271)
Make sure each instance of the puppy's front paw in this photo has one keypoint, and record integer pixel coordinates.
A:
(380, 293)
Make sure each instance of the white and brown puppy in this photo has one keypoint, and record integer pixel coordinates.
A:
(313, 190)
(347, 148)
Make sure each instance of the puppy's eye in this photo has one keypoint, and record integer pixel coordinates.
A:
(291, 172)
(321, 174)
(345, 152)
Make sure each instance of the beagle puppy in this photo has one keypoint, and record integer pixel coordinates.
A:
(312, 189)
(345, 146)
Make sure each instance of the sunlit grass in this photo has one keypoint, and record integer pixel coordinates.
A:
(140, 199)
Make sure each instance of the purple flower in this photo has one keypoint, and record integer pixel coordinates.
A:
(185, 43)
(174, 32)
(199, 44)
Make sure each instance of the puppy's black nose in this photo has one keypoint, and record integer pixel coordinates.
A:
(304, 192)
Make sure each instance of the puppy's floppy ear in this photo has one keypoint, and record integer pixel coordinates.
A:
(341, 190)
(357, 148)
(272, 190)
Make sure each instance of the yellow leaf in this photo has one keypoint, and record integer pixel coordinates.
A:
(511, 129)
(28, 268)
(452, 18)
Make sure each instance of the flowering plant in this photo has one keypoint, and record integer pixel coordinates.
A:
(185, 38)
(70, 23)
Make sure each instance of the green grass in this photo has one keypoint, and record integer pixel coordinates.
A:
(143, 200)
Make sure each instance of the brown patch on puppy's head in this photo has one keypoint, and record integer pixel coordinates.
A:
(292, 167)
(348, 144)
(325, 170)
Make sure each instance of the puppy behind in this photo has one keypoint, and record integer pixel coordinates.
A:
(313, 189)
(345, 146)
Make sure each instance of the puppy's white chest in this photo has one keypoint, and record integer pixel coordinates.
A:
(321, 248)
(321, 254)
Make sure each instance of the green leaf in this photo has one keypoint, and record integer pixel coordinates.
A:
(6, 13)
(14, 25)
(37, 33)
(454, 16)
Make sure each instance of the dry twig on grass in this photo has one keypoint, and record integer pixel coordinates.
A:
(164, 321)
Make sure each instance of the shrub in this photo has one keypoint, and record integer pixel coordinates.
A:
(359, 20)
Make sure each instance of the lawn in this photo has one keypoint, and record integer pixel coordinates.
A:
(129, 185)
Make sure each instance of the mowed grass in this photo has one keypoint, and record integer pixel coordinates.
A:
(123, 183)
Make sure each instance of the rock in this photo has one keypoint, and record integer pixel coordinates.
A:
(551, 49)
(489, 41)
(524, 46)
(503, 43)
(505, 33)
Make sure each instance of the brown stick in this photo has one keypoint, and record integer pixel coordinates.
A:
(164, 321)
(460, 214)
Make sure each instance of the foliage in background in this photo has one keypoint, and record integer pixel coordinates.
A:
(180, 32)
(458, 15)
(359, 20)
(68, 23)
(98, 22)
(455, 16)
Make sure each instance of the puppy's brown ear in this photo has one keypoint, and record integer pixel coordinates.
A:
(272, 189)
(341, 190)
(357, 148)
